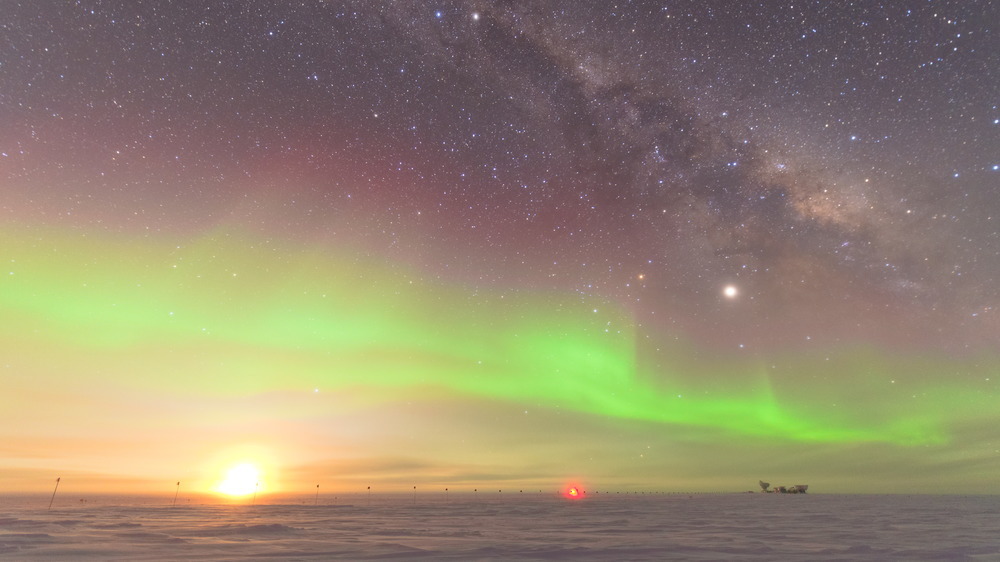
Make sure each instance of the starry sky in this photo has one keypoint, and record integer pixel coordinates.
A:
(673, 245)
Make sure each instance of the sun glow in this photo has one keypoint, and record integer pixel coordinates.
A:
(241, 480)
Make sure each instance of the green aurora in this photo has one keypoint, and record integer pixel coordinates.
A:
(228, 313)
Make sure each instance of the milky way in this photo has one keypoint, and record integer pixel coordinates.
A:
(694, 228)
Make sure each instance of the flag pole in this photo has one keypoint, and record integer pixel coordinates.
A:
(54, 492)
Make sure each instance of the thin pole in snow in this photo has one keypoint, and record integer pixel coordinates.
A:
(54, 492)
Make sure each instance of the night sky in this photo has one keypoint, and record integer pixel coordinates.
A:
(676, 245)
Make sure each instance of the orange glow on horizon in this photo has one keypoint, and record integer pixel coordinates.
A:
(241, 480)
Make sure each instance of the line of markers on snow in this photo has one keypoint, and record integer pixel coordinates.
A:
(571, 492)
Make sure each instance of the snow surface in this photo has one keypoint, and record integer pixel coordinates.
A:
(509, 526)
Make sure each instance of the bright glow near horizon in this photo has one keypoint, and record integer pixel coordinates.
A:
(241, 480)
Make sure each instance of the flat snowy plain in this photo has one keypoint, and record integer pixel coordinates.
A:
(506, 526)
